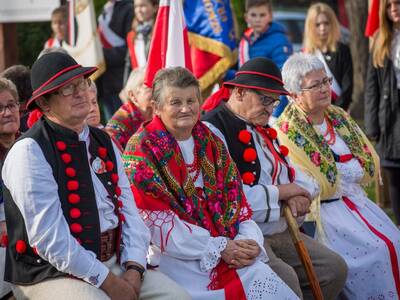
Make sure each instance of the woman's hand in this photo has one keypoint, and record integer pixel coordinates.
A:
(240, 253)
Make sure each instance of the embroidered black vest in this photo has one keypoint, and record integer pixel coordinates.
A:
(63, 150)
(230, 126)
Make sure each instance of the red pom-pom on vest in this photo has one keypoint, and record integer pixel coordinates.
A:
(75, 213)
(71, 172)
(249, 155)
(284, 150)
(271, 132)
(74, 198)
(66, 158)
(76, 228)
(4, 240)
(72, 185)
(122, 218)
(109, 165)
(120, 204)
(118, 191)
(61, 145)
(244, 136)
(20, 247)
(248, 178)
(102, 152)
(114, 178)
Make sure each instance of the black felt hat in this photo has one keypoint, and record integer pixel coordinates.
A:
(52, 71)
(259, 73)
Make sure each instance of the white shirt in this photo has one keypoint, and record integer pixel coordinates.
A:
(264, 196)
(29, 177)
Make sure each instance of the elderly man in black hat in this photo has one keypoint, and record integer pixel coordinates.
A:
(239, 115)
(74, 230)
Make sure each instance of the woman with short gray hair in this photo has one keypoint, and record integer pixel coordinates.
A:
(191, 197)
(324, 141)
(294, 71)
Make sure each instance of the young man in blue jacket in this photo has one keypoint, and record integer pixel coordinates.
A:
(264, 38)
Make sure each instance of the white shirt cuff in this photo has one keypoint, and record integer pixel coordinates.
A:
(212, 254)
(97, 274)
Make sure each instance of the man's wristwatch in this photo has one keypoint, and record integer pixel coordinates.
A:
(138, 269)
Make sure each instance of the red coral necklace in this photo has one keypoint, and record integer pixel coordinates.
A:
(194, 167)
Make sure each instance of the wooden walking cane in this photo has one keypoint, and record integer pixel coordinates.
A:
(303, 254)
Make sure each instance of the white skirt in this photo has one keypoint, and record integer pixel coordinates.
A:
(369, 242)
(258, 280)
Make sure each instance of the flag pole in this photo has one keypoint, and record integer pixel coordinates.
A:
(303, 254)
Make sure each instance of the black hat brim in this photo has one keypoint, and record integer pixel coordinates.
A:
(251, 81)
(58, 82)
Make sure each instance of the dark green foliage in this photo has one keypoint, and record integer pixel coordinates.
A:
(31, 38)
(238, 8)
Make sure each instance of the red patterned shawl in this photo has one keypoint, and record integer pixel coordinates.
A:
(160, 181)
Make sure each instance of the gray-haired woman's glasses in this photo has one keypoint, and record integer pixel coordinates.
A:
(318, 86)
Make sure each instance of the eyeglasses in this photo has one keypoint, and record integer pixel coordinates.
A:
(267, 100)
(12, 107)
(69, 89)
(327, 81)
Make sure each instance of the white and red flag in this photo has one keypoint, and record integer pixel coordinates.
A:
(169, 44)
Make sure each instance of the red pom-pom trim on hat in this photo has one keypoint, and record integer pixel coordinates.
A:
(118, 191)
(271, 132)
(121, 218)
(4, 240)
(109, 165)
(244, 136)
(74, 198)
(102, 151)
(248, 178)
(72, 185)
(61, 145)
(20, 247)
(120, 204)
(249, 155)
(75, 213)
(71, 172)
(66, 158)
(76, 228)
(114, 178)
(284, 150)
(35, 251)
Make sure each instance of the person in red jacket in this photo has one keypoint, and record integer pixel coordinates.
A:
(139, 38)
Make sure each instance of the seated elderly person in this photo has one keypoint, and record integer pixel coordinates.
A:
(191, 197)
(325, 141)
(138, 109)
(269, 179)
(93, 118)
(9, 126)
(74, 231)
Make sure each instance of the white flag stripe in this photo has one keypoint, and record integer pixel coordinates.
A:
(176, 24)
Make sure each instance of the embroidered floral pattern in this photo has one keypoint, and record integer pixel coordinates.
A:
(155, 167)
(124, 123)
(300, 131)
